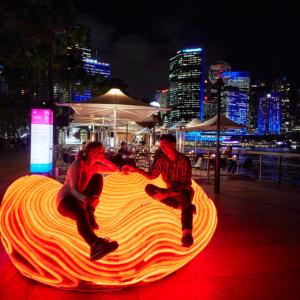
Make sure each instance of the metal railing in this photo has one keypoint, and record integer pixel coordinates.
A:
(266, 165)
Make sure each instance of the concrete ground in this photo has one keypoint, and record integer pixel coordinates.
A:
(254, 253)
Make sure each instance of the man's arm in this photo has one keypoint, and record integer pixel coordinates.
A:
(106, 166)
(152, 174)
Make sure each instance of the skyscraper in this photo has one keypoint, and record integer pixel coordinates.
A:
(93, 67)
(210, 99)
(269, 114)
(235, 97)
(257, 90)
(283, 87)
(186, 85)
(162, 97)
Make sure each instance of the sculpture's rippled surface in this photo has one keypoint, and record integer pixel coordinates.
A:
(46, 247)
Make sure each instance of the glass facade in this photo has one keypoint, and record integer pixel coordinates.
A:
(162, 97)
(257, 90)
(93, 67)
(186, 85)
(210, 99)
(235, 97)
(269, 114)
(283, 87)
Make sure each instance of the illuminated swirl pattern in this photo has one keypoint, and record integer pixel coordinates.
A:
(45, 246)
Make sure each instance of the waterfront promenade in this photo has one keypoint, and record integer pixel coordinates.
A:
(254, 253)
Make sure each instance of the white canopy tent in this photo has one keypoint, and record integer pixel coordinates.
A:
(194, 122)
(113, 106)
(211, 125)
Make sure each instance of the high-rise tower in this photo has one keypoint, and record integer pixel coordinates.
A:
(283, 87)
(269, 114)
(235, 96)
(186, 85)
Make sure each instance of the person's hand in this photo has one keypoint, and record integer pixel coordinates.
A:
(127, 169)
(160, 196)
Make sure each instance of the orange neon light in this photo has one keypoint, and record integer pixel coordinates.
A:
(45, 246)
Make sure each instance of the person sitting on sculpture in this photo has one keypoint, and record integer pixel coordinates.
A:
(176, 171)
(80, 194)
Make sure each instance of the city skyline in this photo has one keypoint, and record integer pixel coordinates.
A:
(138, 42)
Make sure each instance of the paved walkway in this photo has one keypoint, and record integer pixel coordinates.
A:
(254, 253)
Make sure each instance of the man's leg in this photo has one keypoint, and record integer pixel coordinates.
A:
(70, 207)
(185, 199)
(152, 189)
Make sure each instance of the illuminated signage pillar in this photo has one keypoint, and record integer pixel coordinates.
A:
(41, 140)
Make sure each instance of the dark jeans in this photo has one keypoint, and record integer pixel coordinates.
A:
(184, 200)
(71, 207)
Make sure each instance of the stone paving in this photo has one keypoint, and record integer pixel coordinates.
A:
(254, 253)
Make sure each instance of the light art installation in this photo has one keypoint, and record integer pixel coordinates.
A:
(45, 246)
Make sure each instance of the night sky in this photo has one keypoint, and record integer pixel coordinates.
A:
(138, 40)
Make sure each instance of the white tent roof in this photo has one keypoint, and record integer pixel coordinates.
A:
(132, 128)
(174, 127)
(114, 106)
(145, 130)
(114, 101)
(193, 123)
(211, 124)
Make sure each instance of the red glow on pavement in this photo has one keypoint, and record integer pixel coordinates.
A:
(45, 246)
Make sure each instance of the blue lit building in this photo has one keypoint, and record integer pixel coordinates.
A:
(283, 87)
(235, 97)
(186, 85)
(93, 67)
(269, 114)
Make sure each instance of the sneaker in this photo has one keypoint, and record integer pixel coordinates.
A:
(187, 239)
(102, 247)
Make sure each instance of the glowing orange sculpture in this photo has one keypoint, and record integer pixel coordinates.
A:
(46, 247)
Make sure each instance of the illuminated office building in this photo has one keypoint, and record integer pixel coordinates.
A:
(186, 85)
(257, 90)
(235, 97)
(162, 97)
(269, 114)
(92, 67)
(283, 87)
(210, 99)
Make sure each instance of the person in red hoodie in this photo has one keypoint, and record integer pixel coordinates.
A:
(80, 194)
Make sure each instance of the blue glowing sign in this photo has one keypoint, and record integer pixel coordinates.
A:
(192, 50)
